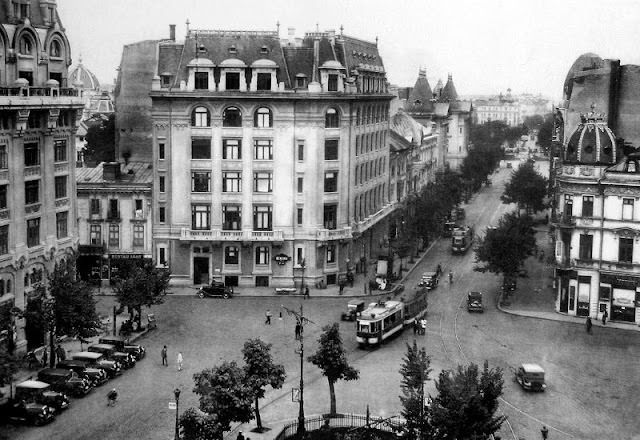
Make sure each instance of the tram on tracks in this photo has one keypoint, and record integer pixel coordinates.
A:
(383, 319)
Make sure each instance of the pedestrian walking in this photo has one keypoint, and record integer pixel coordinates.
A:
(341, 284)
(60, 353)
(306, 292)
(240, 436)
(267, 316)
(605, 315)
(179, 360)
(350, 278)
(544, 432)
(297, 331)
(589, 324)
(163, 353)
(45, 358)
(112, 396)
(415, 326)
(450, 277)
(423, 326)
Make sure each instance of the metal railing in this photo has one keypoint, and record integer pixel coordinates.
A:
(391, 424)
(38, 91)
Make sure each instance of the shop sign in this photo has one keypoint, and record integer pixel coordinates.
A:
(282, 259)
(620, 281)
(126, 256)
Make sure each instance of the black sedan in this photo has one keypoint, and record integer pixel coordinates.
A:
(216, 289)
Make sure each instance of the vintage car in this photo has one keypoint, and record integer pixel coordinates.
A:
(41, 392)
(124, 345)
(95, 376)
(531, 377)
(111, 352)
(65, 381)
(28, 412)
(448, 228)
(354, 307)
(474, 302)
(216, 289)
(98, 360)
(429, 280)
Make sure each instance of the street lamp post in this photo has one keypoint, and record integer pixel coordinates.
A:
(176, 393)
(300, 320)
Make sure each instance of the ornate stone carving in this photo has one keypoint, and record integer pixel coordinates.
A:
(586, 171)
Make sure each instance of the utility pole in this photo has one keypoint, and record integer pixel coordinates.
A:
(300, 320)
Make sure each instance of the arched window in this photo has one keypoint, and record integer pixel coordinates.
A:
(26, 45)
(332, 118)
(56, 49)
(262, 118)
(232, 117)
(200, 117)
(2, 292)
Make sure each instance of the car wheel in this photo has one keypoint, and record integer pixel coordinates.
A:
(225, 295)
(201, 294)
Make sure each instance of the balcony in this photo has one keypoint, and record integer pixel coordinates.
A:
(368, 222)
(563, 220)
(41, 95)
(333, 234)
(113, 216)
(222, 235)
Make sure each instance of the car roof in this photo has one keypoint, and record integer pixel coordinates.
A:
(33, 384)
(475, 293)
(429, 274)
(356, 302)
(113, 338)
(106, 346)
(55, 371)
(532, 368)
(88, 354)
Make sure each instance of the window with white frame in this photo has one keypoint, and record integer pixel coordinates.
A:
(138, 235)
(263, 149)
(331, 181)
(627, 209)
(231, 149)
(262, 255)
(114, 235)
(60, 150)
(263, 118)
(331, 253)
(200, 181)
(4, 240)
(231, 255)
(4, 159)
(95, 235)
(62, 220)
(200, 217)
(232, 181)
(200, 117)
(231, 217)
(33, 232)
(262, 215)
(61, 187)
(300, 260)
(162, 255)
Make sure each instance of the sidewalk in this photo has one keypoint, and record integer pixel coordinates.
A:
(535, 296)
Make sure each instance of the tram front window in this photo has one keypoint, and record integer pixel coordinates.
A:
(375, 326)
(363, 328)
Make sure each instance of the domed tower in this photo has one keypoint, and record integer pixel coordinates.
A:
(592, 142)
(81, 75)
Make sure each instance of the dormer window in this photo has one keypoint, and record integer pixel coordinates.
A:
(233, 50)
(631, 167)
(233, 81)
(264, 50)
(165, 79)
(26, 45)
(301, 81)
(201, 80)
(332, 84)
(202, 49)
(264, 81)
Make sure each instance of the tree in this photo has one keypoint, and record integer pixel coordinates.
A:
(466, 404)
(533, 122)
(415, 371)
(526, 188)
(199, 426)
(143, 285)
(260, 371)
(545, 133)
(225, 394)
(331, 358)
(8, 365)
(505, 248)
(101, 139)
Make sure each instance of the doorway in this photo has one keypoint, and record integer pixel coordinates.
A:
(200, 270)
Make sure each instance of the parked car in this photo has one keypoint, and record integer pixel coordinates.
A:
(125, 359)
(95, 376)
(124, 345)
(354, 307)
(531, 377)
(216, 288)
(429, 280)
(98, 360)
(474, 302)
(65, 381)
(41, 392)
(28, 412)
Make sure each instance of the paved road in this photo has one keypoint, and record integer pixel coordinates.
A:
(593, 382)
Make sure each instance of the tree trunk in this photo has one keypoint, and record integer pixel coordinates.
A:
(52, 348)
(258, 419)
(332, 397)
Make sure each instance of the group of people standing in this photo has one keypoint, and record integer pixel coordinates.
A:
(589, 324)
(165, 362)
(419, 326)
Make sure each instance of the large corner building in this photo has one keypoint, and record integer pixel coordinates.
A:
(270, 156)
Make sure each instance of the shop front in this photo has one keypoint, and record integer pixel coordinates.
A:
(90, 263)
(624, 294)
(120, 265)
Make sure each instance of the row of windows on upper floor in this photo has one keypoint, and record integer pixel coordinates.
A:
(33, 153)
(585, 249)
(627, 212)
(113, 241)
(367, 142)
(37, 119)
(262, 117)
(33, 229)
(113, 210)
(370, 202)
(370, 170)
(32, 191)
(370, 114)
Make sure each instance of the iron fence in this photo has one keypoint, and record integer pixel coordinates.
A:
(390, 424)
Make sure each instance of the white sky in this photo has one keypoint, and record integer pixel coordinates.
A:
(488, 45)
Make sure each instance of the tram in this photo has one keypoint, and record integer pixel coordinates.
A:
(383, 319)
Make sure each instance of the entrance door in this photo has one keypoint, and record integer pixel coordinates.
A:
(200, 270)
(564, 298)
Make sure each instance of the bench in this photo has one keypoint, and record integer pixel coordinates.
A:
(286, 290)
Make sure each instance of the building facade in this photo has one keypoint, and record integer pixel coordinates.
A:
(270, 157)
(38, 120)
(114, 218)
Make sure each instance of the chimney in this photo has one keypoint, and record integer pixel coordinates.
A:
(111, 171)
(172, 32)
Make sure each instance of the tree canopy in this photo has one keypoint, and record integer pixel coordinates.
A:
(197, 425)
(143, 285)
(415, 371)
(101, 139)
(260, 371)
(527, 189)
(466, 404)
(331, 359)
(505, 248)
(224, 393)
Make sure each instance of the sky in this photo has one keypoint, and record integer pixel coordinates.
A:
(487, 46)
